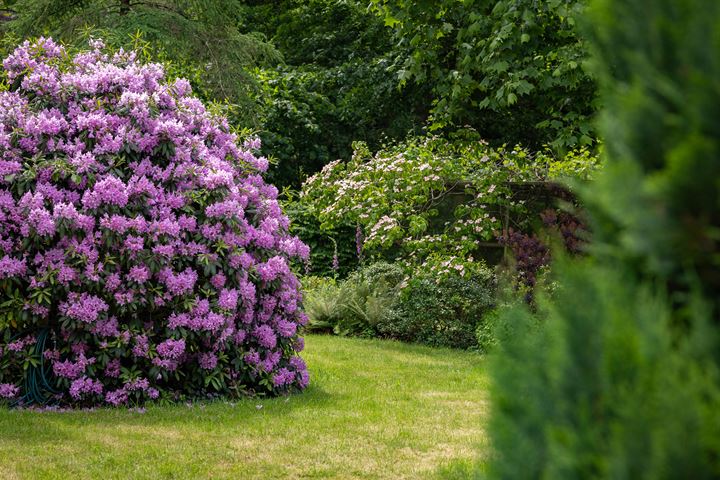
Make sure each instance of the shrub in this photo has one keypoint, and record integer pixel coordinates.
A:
(531, 253)
(441, 308)
(323, 303)
(380, 275)
(441, 302)
(621, 379)
(430, 195)
(140, 234)
(600, 387)
(368, 296)
(356, 305)
(485, 331)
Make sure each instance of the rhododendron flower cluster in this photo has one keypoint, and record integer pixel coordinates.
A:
(137, 228)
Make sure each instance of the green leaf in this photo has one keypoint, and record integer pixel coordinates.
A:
(391, 21)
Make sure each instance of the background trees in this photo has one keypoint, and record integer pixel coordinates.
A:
(338, 84)
(313, 76)
(201, 37)
(513, 69)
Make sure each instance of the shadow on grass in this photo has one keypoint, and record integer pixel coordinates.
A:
(49, 426)
(42, 428)
(460, 470)
(395, 346)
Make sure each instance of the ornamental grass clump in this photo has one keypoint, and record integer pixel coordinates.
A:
(142, 255)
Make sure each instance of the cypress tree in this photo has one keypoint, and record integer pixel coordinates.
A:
(616, 375)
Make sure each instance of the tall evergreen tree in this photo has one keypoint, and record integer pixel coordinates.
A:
(617, 375)
(658, 208)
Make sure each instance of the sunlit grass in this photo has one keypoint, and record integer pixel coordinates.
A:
(375, 409)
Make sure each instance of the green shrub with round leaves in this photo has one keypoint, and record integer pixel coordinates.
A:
(441, 309)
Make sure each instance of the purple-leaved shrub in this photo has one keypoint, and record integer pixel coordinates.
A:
(138, 229)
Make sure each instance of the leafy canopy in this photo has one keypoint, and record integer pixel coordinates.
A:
(513, 69)
(203, 35)
(430, 195)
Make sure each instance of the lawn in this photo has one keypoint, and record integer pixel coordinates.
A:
(375, 409)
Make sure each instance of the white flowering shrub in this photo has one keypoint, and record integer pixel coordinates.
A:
(399, 196)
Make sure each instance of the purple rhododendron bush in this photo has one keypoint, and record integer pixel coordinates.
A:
(142, 255)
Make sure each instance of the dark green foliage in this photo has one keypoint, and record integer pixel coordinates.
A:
(357, 305)
(619, 378)
(368, 297)
(513, 69)
(338, 84)
(485, 331)
(659, 207)
(313, 115)
(325, 33)
(203, 35)
(380, 299)
(442, 312)
(600, 388)
(323, 303)
(324, 243)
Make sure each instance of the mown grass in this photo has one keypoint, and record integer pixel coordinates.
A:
(375, 409)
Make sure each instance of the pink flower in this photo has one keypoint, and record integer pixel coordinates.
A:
(171, 349)
(179, 283)
(273, 269)
(228, 299)
(139, 274)
(286, 329)
(218, 281)
(179, 252)
(84, 307)
(8, 390)
(208, 361)
(265, 336)
(84, 386)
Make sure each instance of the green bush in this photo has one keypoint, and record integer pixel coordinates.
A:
(432, 195)
(356, 305)
(368, 294)
(621, 378)
(485, 330)
(437, 303)
(382, 275)
(323, 303)
(601, 387)
(441, 311)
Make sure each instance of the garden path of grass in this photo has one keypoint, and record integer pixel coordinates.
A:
(375, 409)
